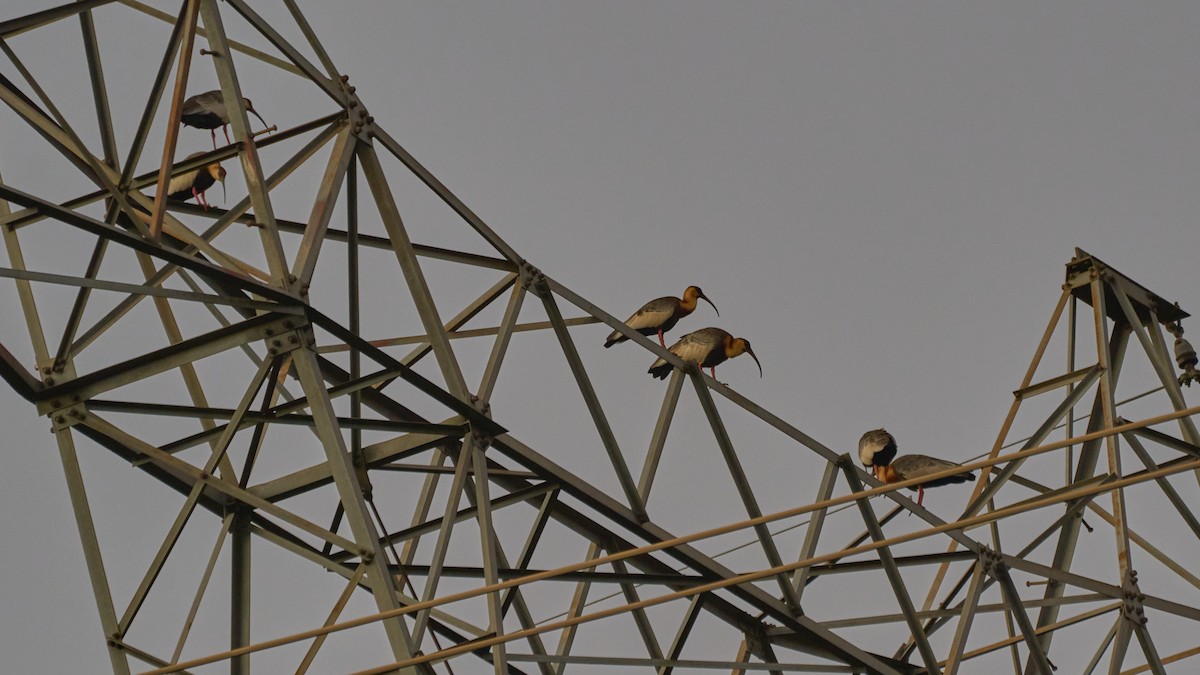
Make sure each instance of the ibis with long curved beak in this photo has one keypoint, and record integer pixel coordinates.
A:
(661, 314)
(876, 449)
(208, 111)
(907, 467)
(193, 184)
(707, 347)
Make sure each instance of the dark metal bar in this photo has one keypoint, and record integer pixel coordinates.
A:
(659, 438)
(239, 593)
(203, 268)
(190, 17)
(969, 605)
(161, 360)
(683, 633)
(531, 541)
(447, 196)
(524, 495)
(310, 71)
(350, 492)
(607, 438)
(257, 187)
(91, 547)
(807, 632)
(311, 36)
(1085, 467)
(77, 308)
(413, 276)
(813, 532)
(99, 89)
(46, 16)
(742, 483)
(140, 289)
(893, 573)
(340, 159)
(1165, 485)
(1037, 654)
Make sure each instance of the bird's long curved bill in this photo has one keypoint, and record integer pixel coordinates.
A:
(222, 182)
(705, 298)
(260, 119)
(755, 361)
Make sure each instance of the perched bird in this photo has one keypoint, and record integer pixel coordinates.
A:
(661, 314)
(907, 467)
(208, 111)
(707, 347)
(876, 449)
(194, 183)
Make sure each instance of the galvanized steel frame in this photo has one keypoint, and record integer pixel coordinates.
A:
(267, 315)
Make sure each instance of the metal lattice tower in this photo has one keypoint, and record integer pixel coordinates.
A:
(282, 433)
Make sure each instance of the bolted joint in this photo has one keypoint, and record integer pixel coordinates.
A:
(480, 405)
(66, 417)
(533, 280)
(758, 644)
(1132, 607)
(990, 560)
(283, 342)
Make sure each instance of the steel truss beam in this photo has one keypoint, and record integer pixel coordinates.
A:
(357, 404)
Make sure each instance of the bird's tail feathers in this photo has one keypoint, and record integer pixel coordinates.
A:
(660, 369)
(613, 339)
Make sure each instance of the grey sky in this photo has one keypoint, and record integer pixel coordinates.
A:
(880, 196)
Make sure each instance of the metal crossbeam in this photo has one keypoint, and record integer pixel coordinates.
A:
(369, 437)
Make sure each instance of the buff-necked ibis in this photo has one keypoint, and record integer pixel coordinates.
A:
(194, 183)
(208, 111)
(907, 467)
(661, 314)
(876, 449)
(708, 347)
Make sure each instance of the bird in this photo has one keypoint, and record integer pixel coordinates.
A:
(707, 347)
(208, 111)
(660, 315)
(876, 449)
(194, 183)
(907, 467)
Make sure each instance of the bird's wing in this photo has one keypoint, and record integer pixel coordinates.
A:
(693, 347)
(915, 466)
(208, 102)
(182, 182)
(654, 313)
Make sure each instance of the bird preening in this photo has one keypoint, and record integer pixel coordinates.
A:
(876, 449)
(661, 314)
(193, 184)
(208, 111)
(708, 348)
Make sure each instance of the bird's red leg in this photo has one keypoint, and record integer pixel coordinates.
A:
(225, 130)
(713, 370)
(660, 339)
(920, 494)
(213, 133)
